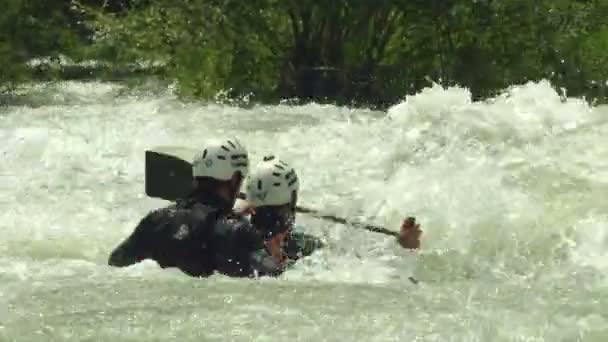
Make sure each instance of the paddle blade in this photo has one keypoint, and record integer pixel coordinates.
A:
(168, 172)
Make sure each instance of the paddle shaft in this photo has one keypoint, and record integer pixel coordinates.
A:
(332, 218)
(335, 219)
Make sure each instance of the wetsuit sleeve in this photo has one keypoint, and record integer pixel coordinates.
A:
(263, 264)
(251, 242)
(137, 246)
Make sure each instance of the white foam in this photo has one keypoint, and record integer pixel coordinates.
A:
(506, 190)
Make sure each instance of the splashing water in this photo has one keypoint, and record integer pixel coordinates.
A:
(512, 194)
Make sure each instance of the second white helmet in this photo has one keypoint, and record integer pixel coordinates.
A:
(221, 160)
(272, 183)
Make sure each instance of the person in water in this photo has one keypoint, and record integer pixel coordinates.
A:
(271, 199)
(200, 234)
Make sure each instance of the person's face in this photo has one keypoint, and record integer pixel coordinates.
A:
(230, 190)
(274, 219)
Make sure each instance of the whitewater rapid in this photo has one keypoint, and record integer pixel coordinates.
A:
(512, 195)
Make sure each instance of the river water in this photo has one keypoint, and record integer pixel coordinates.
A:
(512, 195)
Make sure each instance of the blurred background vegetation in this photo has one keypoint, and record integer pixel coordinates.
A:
(348, 52)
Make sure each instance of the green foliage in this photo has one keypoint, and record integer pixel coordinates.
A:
(343, 51)
(207, 46)
(30, 29)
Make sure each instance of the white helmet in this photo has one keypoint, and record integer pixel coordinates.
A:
(272, 183)
(220, 160)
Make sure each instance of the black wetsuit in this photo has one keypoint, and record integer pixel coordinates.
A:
(198, 237)
(299, 245)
